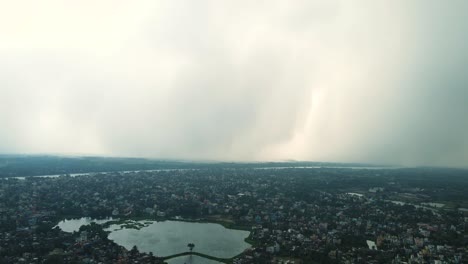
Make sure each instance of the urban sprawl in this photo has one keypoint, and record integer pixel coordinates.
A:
(295, 215)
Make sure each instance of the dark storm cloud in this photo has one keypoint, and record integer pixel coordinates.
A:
(376, 81)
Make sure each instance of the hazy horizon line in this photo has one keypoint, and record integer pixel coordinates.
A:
(169, 159)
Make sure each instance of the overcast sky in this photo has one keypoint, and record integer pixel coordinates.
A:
(325, 80)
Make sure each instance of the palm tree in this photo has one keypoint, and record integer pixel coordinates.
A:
(191, 246)
(134, 250)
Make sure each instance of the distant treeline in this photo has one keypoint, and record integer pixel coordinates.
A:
(33, 165)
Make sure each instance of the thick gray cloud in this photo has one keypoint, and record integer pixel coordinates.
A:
(374, 81)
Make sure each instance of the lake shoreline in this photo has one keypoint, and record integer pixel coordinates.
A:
(138, 223)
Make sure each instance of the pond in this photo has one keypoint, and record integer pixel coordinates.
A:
(171, 237)
(75, 224)
(166, 238)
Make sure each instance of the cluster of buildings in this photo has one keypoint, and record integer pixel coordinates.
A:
(293, 217)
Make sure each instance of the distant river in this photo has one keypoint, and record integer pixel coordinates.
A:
(258, 168)
(167, 238)
(91, 173)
